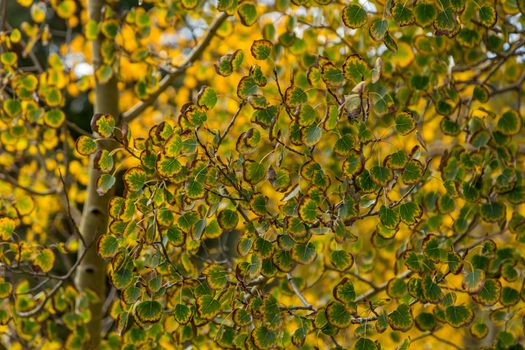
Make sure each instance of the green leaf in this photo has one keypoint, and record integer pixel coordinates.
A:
(397, 160)
(175, 236)
(12, 107)
(355, 69)
(311, 135)
(446, 204)
(331, 74)
(510, 123)
(135, 179)
(131, 294)
(338, 315)
(54, 118)
(431, 290)
(228, 219)
(425, 321)
(283, 261)
(480, 138)
(107, 246)
(254, 172)
(353, 164)
(247, 87)
(261, 49)
(401, 318)
(307, 115)
(405, 123)
(167, 167)
(265, 117)
(263, 338)
(458, 316)
(364, 344)
(182, 313)
(344, 291)
(247, 13)
(207, 307)
(9, 58)
(354, 16)
(381, 175)
(389, 217)
(396, 288)
(295, 96)
(487, 16)
(216, 276)
(431, 247)
(489, 293)
(509, 296)
(148, 311)
(85, 145)
(413, 172)
(121, 278)
(5, 290)
(448, 127)
(410, 213)
(308, 210)
(445, 21)
(207, 97)
(455, 263)
(270, 312)
(345, 145)
(378, 29)
(481, 93)
(53, 97)
(425, 13)
(479, 330)
(104, 161)
(109, 28)
(103, 124)
(45, 260)
(473, 281)
(402, 14)
(341, 260)
(304, 253)
(7, 228)
(242, 317)
(493, 212)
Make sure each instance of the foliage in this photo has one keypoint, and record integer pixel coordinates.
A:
(304, 173)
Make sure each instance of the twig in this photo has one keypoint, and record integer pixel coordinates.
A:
(298, 292)
(230, 124)
(370, 293)
(14, 182)
(57, 286)
(72, 221)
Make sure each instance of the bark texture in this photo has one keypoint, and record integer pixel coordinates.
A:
(91, 272)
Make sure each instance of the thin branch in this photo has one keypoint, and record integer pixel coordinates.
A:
(57, 286)
(196, 53)
(71, 220)
(230, 124)
(14, 182)
(370, 293)
(445, 341)
(298, 292)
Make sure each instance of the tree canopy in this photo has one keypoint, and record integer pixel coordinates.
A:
(262, 174)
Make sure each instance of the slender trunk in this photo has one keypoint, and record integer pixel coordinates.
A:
(91, 272)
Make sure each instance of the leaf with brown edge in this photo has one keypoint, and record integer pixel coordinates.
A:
(261, 49)
(103, 124)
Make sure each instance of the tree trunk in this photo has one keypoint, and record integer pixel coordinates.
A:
(91, 272)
